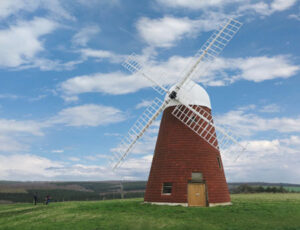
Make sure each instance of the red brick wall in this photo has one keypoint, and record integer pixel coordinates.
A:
(178, 153)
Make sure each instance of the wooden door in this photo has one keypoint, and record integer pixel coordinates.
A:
(196, 194)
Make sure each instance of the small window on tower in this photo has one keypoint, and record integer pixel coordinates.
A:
(167, 188)
(197, 177)
(219, 162)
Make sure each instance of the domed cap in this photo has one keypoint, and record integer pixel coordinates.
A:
(191, 93)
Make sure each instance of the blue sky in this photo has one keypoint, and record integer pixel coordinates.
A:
(66, 101)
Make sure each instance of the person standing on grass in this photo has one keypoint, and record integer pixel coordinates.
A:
(35, 198)
(47, 199)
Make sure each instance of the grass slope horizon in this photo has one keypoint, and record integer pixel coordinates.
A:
(249, 211)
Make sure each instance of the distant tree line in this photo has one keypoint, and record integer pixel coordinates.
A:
(244, 188)
(60, 195)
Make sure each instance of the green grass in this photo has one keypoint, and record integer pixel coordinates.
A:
(249, 211)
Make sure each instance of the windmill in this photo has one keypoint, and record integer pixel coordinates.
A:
(187, 167)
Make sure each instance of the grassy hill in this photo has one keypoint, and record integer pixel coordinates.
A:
(249, 211)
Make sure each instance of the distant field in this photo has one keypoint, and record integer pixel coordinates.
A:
(292, 188)
(248, 212)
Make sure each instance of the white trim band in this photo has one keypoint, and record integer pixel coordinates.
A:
(219, 204)
(167, 203)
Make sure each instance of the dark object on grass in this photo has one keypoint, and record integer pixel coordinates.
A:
(35, 198)
(48, 199)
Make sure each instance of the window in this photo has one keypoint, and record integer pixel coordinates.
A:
(167, 188)
(219, 162)
(197, 177)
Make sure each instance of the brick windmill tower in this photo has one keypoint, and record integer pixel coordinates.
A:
(187, 167)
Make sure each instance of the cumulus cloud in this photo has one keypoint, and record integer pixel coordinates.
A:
(82, 37)
(195, 4)
(14, 126)
(221, 72)
(255, 69)
(267, 8)
(9, 144)
(110, 83)
(101, 54)
(260, 7)
(166, 31)
(248, 123)
(12, 132)
(93, 3)
(14, 7)
(272, 160)
(88, 115)
(26, 167)
(20, 43)
(143, 103)
(57, 151)
(272, 108)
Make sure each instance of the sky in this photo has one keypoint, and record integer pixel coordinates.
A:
(66, 101)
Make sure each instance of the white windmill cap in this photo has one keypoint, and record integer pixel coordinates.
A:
(192, 94)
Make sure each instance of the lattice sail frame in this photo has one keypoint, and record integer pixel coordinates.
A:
(201, 122)
(210, 50)
(136, 131)
(134, 65)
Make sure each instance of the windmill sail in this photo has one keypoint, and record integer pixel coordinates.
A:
(200, 121)
(137, 131)
(211, 48)
(134, 65)
(195, 118)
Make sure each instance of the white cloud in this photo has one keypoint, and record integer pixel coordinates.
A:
(255, 69)
(244, 6)
(266, 160)
(20, 43)
(26, 167)
(96, 157)
(135, 168)
(88, 115)
(47, 64)
(166, 31)
(74, 159)
(272, 108)
(295, 16)
(9, 144)
(101, 54)
(57, 151)
(248, 124)
(14, 126)
(112, 83)
(13, 134)
(195, 4)
(265, 68)
(93, 3)
(144, 103)
(268, 8)
(168, 72)
(8, 96)
(14, 7)
(82, 37)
